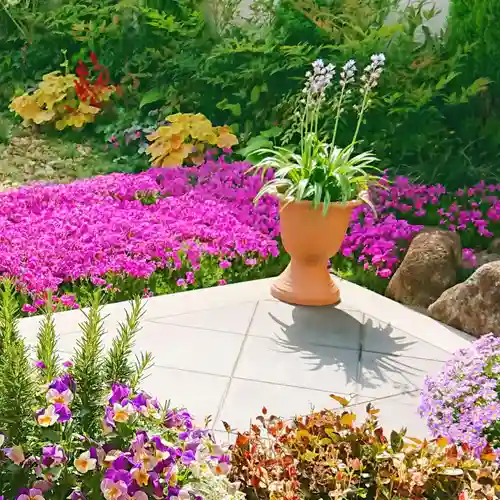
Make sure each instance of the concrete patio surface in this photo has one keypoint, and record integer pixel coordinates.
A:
(226, 352)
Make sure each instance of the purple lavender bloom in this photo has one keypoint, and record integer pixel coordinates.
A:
(40, 364)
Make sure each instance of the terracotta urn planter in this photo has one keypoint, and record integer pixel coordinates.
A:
(310, 238)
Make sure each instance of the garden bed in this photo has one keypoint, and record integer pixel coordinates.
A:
(166, 230)
(154, 232)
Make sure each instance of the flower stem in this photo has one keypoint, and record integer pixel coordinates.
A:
(337, 116)
(360, 117)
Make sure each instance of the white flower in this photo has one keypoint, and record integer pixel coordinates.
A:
(54, 396)
(48, 417)
(85, 463)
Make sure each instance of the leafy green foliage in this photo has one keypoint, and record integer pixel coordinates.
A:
(194, 56)
(46, 351)
(117, 365)
(17, 383)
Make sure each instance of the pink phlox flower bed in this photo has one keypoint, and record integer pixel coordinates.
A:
(133, 224)
(379, 241)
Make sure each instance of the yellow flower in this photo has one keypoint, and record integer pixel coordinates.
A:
(84, 463)
(140, 476)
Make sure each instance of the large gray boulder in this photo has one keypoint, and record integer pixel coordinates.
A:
(474, 305)
(428, 269)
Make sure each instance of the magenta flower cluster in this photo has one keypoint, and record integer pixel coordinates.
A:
(170, 219)
(378, 241)
(461, 402)
(133, 225)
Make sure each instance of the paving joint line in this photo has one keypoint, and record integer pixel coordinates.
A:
(235, 366)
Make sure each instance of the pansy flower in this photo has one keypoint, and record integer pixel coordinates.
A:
(113, 490)
(54, 396)
(15, 454)
(48, 416)
(122, 412)
(32, 494)
(119, 392)
(53, 456)
(85, 463)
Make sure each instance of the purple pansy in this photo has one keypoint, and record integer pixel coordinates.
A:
(118, 393)
(63, 411)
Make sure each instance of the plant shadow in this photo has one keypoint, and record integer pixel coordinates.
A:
(319, 336)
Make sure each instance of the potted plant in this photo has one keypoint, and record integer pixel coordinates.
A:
(319, 185)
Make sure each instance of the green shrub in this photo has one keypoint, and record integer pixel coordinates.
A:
(187, 56)
(476, 23)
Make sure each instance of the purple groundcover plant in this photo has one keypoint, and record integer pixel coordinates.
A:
(379, 241)
(196, 227)
(133, 225)
(462, 403)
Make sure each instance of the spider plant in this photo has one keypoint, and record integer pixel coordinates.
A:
(322, 172)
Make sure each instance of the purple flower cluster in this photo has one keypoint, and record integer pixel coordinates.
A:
(170, 219)
(461, 402)
(133, 224)
(378, 242)
(128, 461)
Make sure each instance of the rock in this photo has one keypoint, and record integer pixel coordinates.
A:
(428, 269)
(485, 257)
(495, 246)
(474, 305)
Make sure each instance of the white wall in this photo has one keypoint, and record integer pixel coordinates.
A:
(435, 24)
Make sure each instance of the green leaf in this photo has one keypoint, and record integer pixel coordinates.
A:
(153, 95)
(254, 144)
(309, 456)
(51, 435)
(396, 442)
(272, 132)
(235, 109)
(255, 94)
(446, 79)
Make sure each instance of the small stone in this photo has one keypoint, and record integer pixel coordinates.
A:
(485, 257)
(495, 246)
(474, 305)
(428, 269)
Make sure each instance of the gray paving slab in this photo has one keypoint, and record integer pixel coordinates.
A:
(228, 351)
